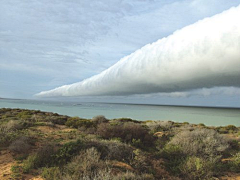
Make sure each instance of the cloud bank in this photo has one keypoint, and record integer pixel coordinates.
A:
(202, 55)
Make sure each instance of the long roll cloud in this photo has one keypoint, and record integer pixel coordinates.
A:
(202, 55)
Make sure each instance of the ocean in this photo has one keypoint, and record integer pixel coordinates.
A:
(211, 116)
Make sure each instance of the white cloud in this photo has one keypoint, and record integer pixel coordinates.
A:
(204, 92)
(203, 55)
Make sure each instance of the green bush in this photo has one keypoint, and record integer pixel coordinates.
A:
(16, 172)
(24, 115)
(112, 150)
(156, 126)
(99, 119)
(87, 165)
(30, 163)
(42, 158)
(234, 164)
(7, 136)
(77, 122)
(200, 142)
(21, 145)
(125, 120)
(195, 168)
(128, 132)
(52, 173)
(174, 158)
(67, 151)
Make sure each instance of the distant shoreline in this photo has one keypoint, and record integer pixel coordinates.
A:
(134, 104)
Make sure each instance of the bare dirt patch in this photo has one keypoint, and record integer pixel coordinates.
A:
(6, 162)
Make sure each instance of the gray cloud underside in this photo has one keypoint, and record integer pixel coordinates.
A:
(203, 55)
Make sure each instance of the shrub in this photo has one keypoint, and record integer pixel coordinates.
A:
(198, 168)
(99, 119)
(202, 125)
(43, 157)
(86, 165)
(14, 125)
(52, 173)
(24, 115)
(141, 161)
(159, 170)
(21, 145)
(7, 136)
(16, 172)
(113, 150)
(200, 142)
(133, 176)
(234, 164)
(231, 128)
(156, 126)
(49, 155)
(29, 163)
(77, 122)
(128, 132)
(125, 120)
(227, 129)
(174, 158)
(58, 120)
(67, 151)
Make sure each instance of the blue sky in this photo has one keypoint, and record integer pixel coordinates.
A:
(46, 44)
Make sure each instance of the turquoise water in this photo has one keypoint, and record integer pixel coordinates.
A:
(206, 115)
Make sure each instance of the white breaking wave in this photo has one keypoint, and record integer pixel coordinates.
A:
(202, 55)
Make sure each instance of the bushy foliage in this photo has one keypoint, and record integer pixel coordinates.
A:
(234, 164)
(58, 120)
(77, 122)
(113, 150)
(200, 142)
(21, 145)
(51, 155)
(51, 173)
(86, 165)
(89, 166)
(99, 119)
(174, 158)
(127, 132)
(43, 157)
(195, 168)
(14, 125)
(24, 115)
(67, 151)
(7, 136)
(156, 126)
(125, 120)
(227, 129)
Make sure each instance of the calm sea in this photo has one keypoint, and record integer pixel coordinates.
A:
(207, 115)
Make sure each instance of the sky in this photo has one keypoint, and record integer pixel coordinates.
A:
(48, 44)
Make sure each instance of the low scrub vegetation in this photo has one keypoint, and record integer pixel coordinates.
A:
(59, 147)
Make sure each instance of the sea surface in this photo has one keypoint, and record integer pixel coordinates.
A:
(211, 116)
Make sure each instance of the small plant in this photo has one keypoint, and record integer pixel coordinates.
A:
(16, 172)
(52, 173)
